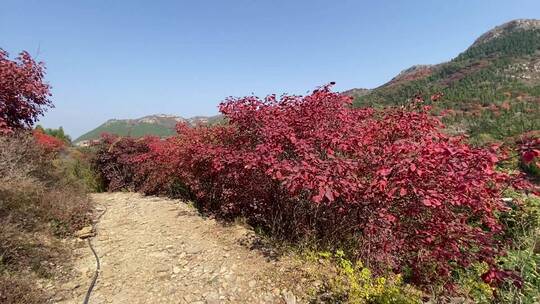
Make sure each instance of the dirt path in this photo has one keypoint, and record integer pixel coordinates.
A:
(156, 250)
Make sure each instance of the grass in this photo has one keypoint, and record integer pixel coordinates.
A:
(39, 204)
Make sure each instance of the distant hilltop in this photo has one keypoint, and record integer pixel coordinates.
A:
(508, 28)
(158, 125)
(502, 62)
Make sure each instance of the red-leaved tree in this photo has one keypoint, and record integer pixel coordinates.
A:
(24, 95)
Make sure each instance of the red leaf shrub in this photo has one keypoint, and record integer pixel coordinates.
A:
(114, 161)
(496, 277)
(408, 195)
(23, 94)
(47, 142)
(529, 149)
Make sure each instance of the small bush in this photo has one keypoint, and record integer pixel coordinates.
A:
(16, 289)
(35, 191)
(114, 161)
(47, 142)
(77, 167)
(356, 284)
(472, 286)
(57, 133)
(522, 230)
(529, 149)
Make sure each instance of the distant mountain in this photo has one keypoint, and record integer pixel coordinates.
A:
(500, 70)
(357, 92)
(507, 29)
(159, 125)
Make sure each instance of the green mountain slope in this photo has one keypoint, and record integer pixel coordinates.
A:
(158, 125)
(125, 128)
(491, 90)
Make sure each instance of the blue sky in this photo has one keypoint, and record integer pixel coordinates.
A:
(126, 59)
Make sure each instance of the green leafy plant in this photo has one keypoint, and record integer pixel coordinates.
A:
(471, 285)
(522, 228)
(356, 284)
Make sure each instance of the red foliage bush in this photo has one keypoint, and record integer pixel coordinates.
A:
(529, 152)
(410, 196)
(529, 149)
(23, 94)
(115, 162)
(47, 142)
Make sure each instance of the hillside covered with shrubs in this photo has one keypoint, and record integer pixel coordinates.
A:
(491, 90)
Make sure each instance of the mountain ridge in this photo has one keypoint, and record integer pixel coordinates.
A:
(496, 32)
(505, 28)
(491, 89)
(161, 125)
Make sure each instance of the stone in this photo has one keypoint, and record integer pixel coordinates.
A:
(193, 250)
(162, 268)
(212, 298)
(289, 297)
(73, 285)
(85, 232)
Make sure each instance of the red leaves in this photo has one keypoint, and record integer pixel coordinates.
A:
(384, 171)
(328, 194)
(430, 202)
(391, 176)
(437, 96)
(23, 94)
(529, 149)
(529, 156)
(496, 277)
(402, 192)
(47, 142)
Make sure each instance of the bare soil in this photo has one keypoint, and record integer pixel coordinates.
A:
(158, 250)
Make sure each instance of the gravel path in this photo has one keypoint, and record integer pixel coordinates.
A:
(157, 250)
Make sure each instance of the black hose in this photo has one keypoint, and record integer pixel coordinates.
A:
(98, 264)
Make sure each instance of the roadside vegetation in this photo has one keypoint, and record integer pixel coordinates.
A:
(404, 212)
(42, 196)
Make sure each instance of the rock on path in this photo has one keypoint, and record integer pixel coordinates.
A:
(157, 250)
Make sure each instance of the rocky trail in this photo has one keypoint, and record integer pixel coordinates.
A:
(157, 250)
